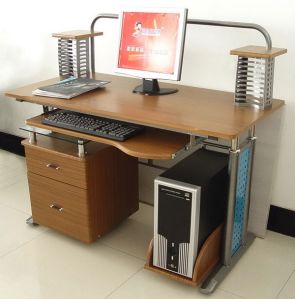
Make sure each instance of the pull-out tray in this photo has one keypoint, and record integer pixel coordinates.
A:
(151, 144)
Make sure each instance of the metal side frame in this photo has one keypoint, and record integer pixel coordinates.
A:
(236, 239)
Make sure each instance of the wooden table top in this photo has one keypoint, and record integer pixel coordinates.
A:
(191, 110)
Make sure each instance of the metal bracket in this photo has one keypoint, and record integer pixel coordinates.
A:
(193, 141)
(215, 145)
(47, 109)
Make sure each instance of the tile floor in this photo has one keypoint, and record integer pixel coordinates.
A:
(38, 263)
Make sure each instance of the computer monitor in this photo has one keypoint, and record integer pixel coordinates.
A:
(151, 46)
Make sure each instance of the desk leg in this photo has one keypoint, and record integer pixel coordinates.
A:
(252, 142)
(229, 224)
(30, 221)
(236, 239)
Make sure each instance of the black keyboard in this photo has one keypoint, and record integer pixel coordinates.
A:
(94, 125)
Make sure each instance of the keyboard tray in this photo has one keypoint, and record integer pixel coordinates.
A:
(93, 125)
(151, 144)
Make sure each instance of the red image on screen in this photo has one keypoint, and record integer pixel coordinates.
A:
(148, 41)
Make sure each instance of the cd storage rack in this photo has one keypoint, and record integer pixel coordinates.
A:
(73, 53)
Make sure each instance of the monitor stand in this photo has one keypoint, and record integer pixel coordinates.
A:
(151, 88)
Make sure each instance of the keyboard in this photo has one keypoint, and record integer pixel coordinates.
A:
(94, 125)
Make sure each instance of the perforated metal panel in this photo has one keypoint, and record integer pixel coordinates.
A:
(241, 198)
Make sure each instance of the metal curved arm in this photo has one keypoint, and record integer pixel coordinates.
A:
(100, 16)
(189, 21)
(234, 25)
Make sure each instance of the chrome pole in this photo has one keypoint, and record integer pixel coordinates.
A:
(92, 46)
(234, 154)
(252, 140)
(32, 137)
(235, 25)
(81, 149)
(189, 21)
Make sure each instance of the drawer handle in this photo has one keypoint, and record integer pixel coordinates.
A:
(52, 166)
(53, 206)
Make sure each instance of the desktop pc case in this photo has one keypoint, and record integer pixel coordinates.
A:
(190, 202)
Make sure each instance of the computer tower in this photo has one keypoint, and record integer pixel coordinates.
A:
(190, 202)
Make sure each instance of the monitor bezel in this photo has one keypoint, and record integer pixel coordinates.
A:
(179, 44)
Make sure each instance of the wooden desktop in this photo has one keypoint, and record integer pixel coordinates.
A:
(191, 110)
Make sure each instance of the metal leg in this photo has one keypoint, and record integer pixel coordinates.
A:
(233, 170)
(30, 221)
(240, 170)
(252, 142)
(45, 109)
(81, 149)
(32, 137)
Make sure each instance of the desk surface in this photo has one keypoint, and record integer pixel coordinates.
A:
(191, 110)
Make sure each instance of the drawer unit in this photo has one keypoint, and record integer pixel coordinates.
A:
(64, 168)
(80, 197)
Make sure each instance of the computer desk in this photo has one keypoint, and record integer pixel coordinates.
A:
(175, 123)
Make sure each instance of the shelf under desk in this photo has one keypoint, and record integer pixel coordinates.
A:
(151, 144)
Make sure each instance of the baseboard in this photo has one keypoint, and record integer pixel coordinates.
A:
(11, 143)
(281, 221)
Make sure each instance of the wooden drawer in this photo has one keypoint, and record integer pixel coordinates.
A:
(60, 206)
(57, 166)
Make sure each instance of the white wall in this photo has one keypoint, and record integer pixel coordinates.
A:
(28, 53)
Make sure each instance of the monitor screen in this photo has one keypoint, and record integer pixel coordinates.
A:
(151, 43)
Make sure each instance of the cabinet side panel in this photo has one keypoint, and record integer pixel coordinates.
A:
(112, 179)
